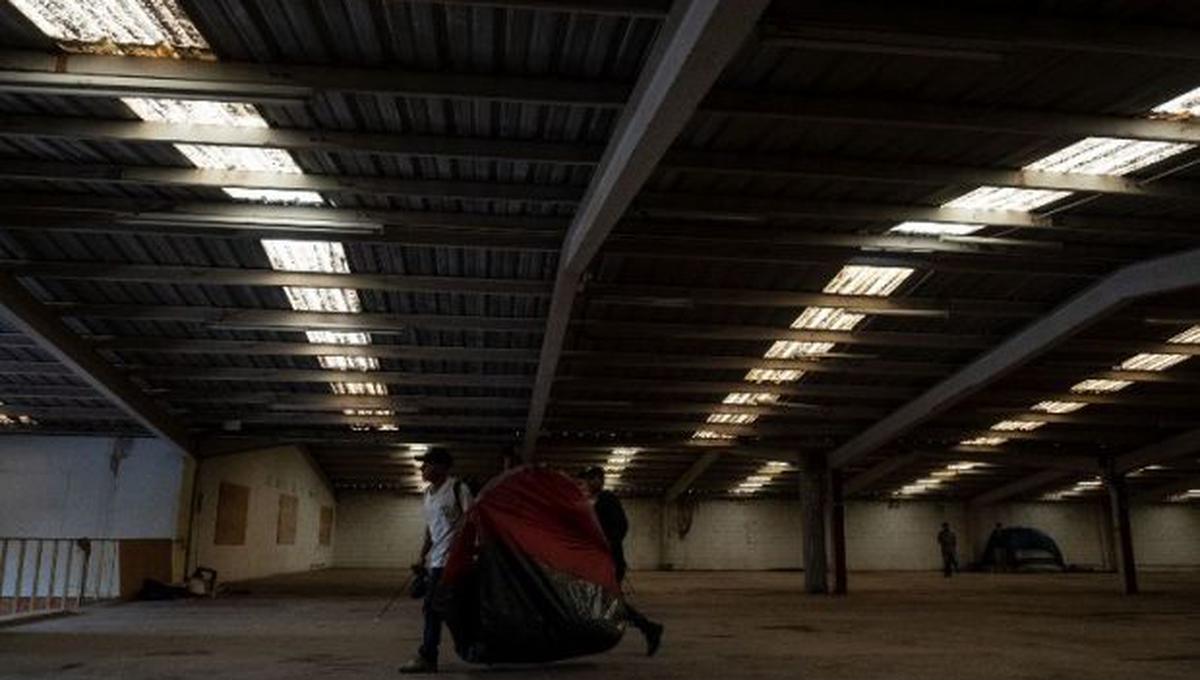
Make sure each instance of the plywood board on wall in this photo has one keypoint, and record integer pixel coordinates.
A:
(325, 532)
(233, 505)
(285, 528)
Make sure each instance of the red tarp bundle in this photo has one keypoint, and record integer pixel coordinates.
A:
(530, 577)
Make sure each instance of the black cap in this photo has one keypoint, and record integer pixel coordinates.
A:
(594, 472)
(437, 457)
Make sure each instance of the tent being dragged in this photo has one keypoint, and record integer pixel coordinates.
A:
(530, 577)
(1021, 549)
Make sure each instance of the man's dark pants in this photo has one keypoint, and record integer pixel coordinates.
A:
(633, 616)
(949, 563)
(433, 621)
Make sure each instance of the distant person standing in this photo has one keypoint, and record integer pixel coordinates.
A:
(615, 525)
(949, 545)
(447, 499)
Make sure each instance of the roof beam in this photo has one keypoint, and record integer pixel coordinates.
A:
(1024, 485)
(22, 311)
(605, 328)
(122, 76)
(230, 276)
(158, 374)
(1180, 445)
(944, 117)
(353, 184)
(277, 319)
(135, 131)
(918, 174)
(696, 41)
(953, 33)
(1158, 276)
(297, 401)
(743, 207)
(643, 386)
(1164, 491)
(306, 349)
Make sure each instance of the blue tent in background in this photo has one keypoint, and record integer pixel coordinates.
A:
(1021, 549)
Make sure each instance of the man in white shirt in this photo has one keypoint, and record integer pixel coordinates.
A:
(446, 501)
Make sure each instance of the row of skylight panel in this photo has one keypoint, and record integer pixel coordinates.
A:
(109, 25)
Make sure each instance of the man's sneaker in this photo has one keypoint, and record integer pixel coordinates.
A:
(653, 633)
(419, 665)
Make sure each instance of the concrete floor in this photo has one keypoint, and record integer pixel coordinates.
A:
(743, 625)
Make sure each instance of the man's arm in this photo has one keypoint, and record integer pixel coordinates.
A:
(425, 548)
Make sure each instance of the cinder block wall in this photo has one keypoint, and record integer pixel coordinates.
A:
(380, 530)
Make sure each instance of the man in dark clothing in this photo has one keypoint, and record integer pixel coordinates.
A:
(949, 545)
(615, 526)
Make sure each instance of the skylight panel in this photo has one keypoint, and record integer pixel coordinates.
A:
(348, 363)
(195, 112)
(856, 279)
(619, 459)
(1152, 362)
(790, 349)
(1097, 386)
(751, 398)
(1189, 337)
(369, 412)
(773, 375)
(121, 23)
(248, 158)
(359, 389)
(732, 418)
(936, 228)
(1006, 198)
(275, 196)
(1018, 425)
(337, 338)
(1107, 156)
(764, 476)
(827, 318)
(306, 256)
(711, 434)
(306, 299)
(984, 441)
(12, 421)
(1187, 103)
(1058, 406)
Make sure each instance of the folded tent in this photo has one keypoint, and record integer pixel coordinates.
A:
(530, 577)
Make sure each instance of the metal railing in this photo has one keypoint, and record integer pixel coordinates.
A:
(47, 575)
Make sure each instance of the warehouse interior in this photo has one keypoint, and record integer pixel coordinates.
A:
(808, 279)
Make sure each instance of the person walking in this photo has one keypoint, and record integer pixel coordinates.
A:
(949, 545)
(615, 525)
(446, 500)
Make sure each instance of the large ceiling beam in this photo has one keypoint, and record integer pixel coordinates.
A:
(122, 76)
(1163, 275)
(637, 329)
(1025, 485)
(231, 276)
(22, 311)
(685, 481)
(135, 131)
(944, 117)
(278, 319)
(1164, 491)
(1185, 444)
(696, 41)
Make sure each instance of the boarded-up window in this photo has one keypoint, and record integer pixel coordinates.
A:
(325, 533)
(285, 529)
(233, 503)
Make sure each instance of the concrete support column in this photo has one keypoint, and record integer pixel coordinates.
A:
(814, 502)
(837, 526)
(1118, 497)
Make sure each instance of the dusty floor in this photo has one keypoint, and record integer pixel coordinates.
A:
(740, 625)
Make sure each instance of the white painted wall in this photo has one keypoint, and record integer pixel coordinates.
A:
(269, 473)
(67, 487)
(385, 530)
